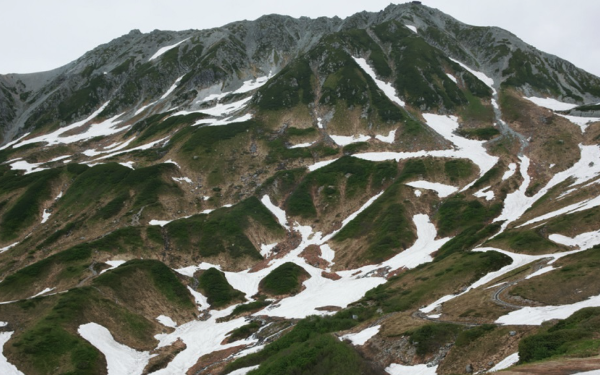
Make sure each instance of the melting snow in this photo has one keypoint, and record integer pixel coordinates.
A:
(104, 128)
(14, 142)
(243, 371)
(43, 292)
(320, 164)
(583, 241)
(580, 206)
(319, 123)
(387, 139)
(302, 145)
(518, 260)
(551, 103)
(481, 76)
(488, 195)
(445, 126)
(142, 147)
(452, 78)
(8, 247)
(113, 264)
(265, 250)
(276, 211)
(441, 189)
(120, 359)
(541, 271)
(6, 368)
(386, 87)
(166, 321)
(201, 301)
(512, 168)
(412, 28)
(418, 192)
(360, 338)
(22, 165)
(252, 84)
(506, 362)
(165, 49)
(538, 315)
(396, 369)
(128, 164)
(140, 110)
(179, 179)
(172, 88)
(342, 140)
(172, 162)
(582, 122)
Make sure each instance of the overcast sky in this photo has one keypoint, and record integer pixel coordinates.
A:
(37, 35)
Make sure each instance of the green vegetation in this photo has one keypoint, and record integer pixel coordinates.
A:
(457, 213)
(575, 336)
(285, 279)
(307, 330)
(361, 174)
(223, 230)
(282, 181)
(53, 340)
(468, 336)
(458, 169)
(217, 290)
(528, 241)
(527, 69)
(27, 207)
(290, 87)
(481, 133)
(429, 338)
(163, 279)
(427, 282)
(156, 124)
(116, 181)
(204, 139)
(244, 331)
(467, 239)
(249, 307)
(487, 178)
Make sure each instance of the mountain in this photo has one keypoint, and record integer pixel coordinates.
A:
(383, 194)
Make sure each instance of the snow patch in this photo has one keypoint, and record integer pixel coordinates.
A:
(252, 84)
(320, 164)
(582, 241)
(582, 122)
(128, 164)
(442, 190)
(6, 368)
(387, 139)
(412, 28)
(342, 140)
(506, 362)
(120, 359)
(113, 264)
(163, 50)
(418, 192)
(276, 211)
(171, 89)
(302, 145)
(184, 179)
(6, 248)
(166, 321)
(488, 195)
(244, 371)
(360, 338)
(512, 168)
(386, 87)
(265, 250)
(43, 292)
(396, 369)
(201, 301)
(453, 78)
(541, 271)
(481, 76)
(551, 103)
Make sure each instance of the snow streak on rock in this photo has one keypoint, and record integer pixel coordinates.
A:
(442, 190)
(163, 50)
(386, 87)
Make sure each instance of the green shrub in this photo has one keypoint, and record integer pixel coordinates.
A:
(285, 279)
(217, 289)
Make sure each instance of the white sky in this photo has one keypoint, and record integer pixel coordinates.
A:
(37, 35)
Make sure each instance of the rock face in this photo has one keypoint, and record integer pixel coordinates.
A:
(322, 196)
(216, 60)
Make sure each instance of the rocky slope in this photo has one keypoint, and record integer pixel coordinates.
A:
(395, 191)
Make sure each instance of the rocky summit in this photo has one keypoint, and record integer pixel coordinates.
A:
(391, 193)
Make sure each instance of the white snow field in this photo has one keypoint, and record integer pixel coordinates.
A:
(6, 368)
(512, 168)
(488, 195)
(396, 369)
(386, 87)
(342, 140)
(165, 49)
(442, 190)
(463, 148)
(360, 338)
(506, 362)
(551, 103)
(120, 359)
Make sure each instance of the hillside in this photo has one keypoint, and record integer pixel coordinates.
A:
(394, 192)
